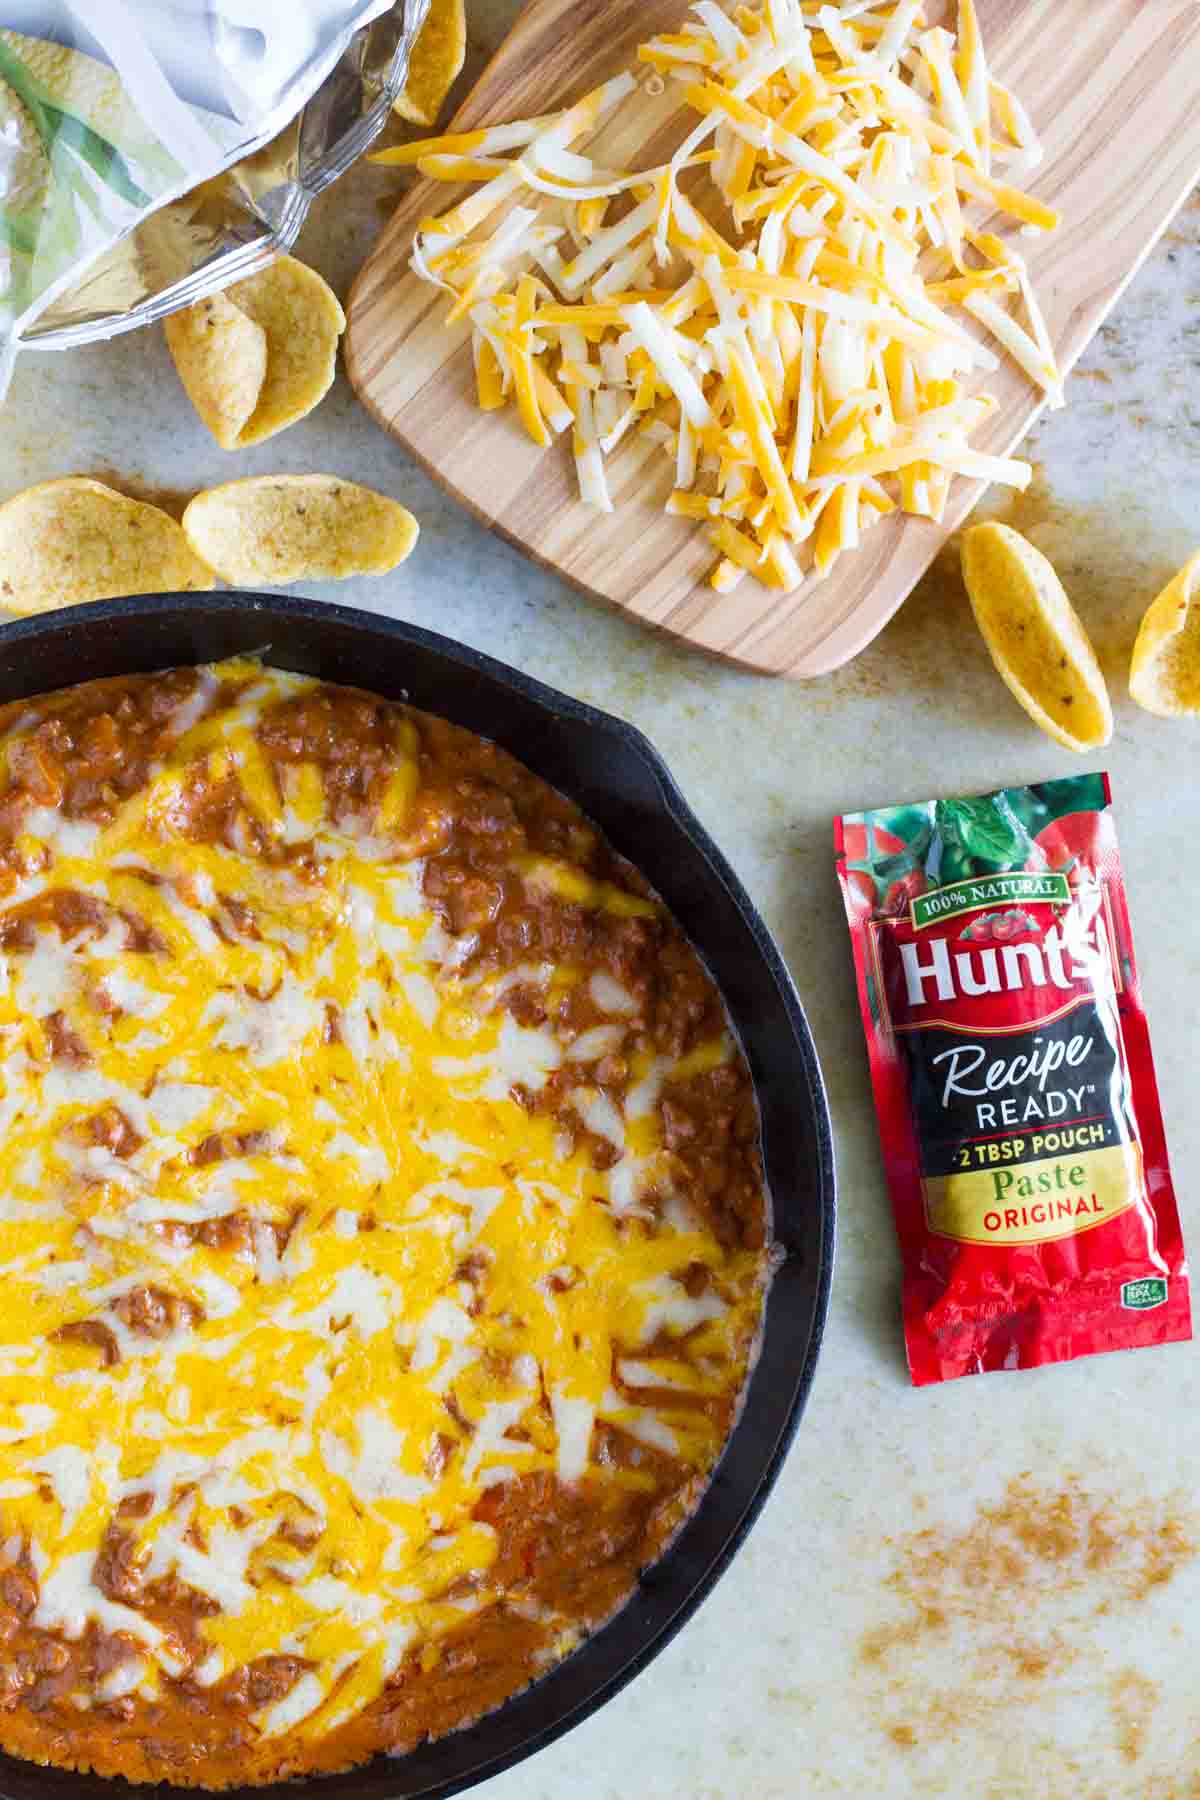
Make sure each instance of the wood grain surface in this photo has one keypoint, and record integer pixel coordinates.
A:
(1114, 89)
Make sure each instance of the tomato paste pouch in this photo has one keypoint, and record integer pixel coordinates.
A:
(1013, 1079)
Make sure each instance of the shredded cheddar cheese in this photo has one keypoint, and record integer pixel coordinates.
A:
(330, 1371)
(798, 324)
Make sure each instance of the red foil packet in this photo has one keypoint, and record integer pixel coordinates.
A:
(1010, 1058)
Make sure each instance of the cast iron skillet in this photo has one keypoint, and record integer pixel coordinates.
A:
(622, 783)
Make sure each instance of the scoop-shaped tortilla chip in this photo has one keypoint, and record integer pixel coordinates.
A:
(1035, 637)
(273, 529)
(67, 541)
(303, 320)
(220, 354)
(436, 60)
(1164, 676)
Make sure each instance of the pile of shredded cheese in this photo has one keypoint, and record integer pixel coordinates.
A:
(781, 305)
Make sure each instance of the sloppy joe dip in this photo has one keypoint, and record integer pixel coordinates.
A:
(384, 1232)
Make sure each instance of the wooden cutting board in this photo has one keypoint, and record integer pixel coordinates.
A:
(1114, 89)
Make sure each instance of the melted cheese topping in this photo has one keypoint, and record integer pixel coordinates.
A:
(427, 1293)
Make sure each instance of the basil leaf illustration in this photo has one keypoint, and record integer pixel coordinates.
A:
(912, 823)
(1031, 810)
(955, 865)
(1071, 794)
(986, 829)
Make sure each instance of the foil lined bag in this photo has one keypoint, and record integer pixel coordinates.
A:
(152, 151)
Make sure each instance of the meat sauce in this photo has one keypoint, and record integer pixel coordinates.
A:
(537, 911)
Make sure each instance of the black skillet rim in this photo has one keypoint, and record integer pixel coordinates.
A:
(20, 1780)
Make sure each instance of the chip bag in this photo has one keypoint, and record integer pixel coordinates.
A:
(1010, 1058)
(156, 150)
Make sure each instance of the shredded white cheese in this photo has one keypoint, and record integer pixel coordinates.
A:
(808, 372)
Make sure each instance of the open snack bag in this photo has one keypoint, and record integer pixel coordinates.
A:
(155, 150)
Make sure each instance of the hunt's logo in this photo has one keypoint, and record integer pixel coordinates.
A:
(1070, 962)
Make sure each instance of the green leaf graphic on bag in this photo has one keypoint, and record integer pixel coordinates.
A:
(1075, 793)
(987, 830)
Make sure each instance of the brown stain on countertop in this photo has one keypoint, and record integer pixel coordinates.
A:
(1013, 1603)
(1133, 1699)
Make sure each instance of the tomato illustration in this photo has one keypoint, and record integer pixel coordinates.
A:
(901, 894)
(1001, 927)
(862, 886)
(854, 837)
(1068, 843)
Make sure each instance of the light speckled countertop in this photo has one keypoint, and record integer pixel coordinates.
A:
(985, 1590)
